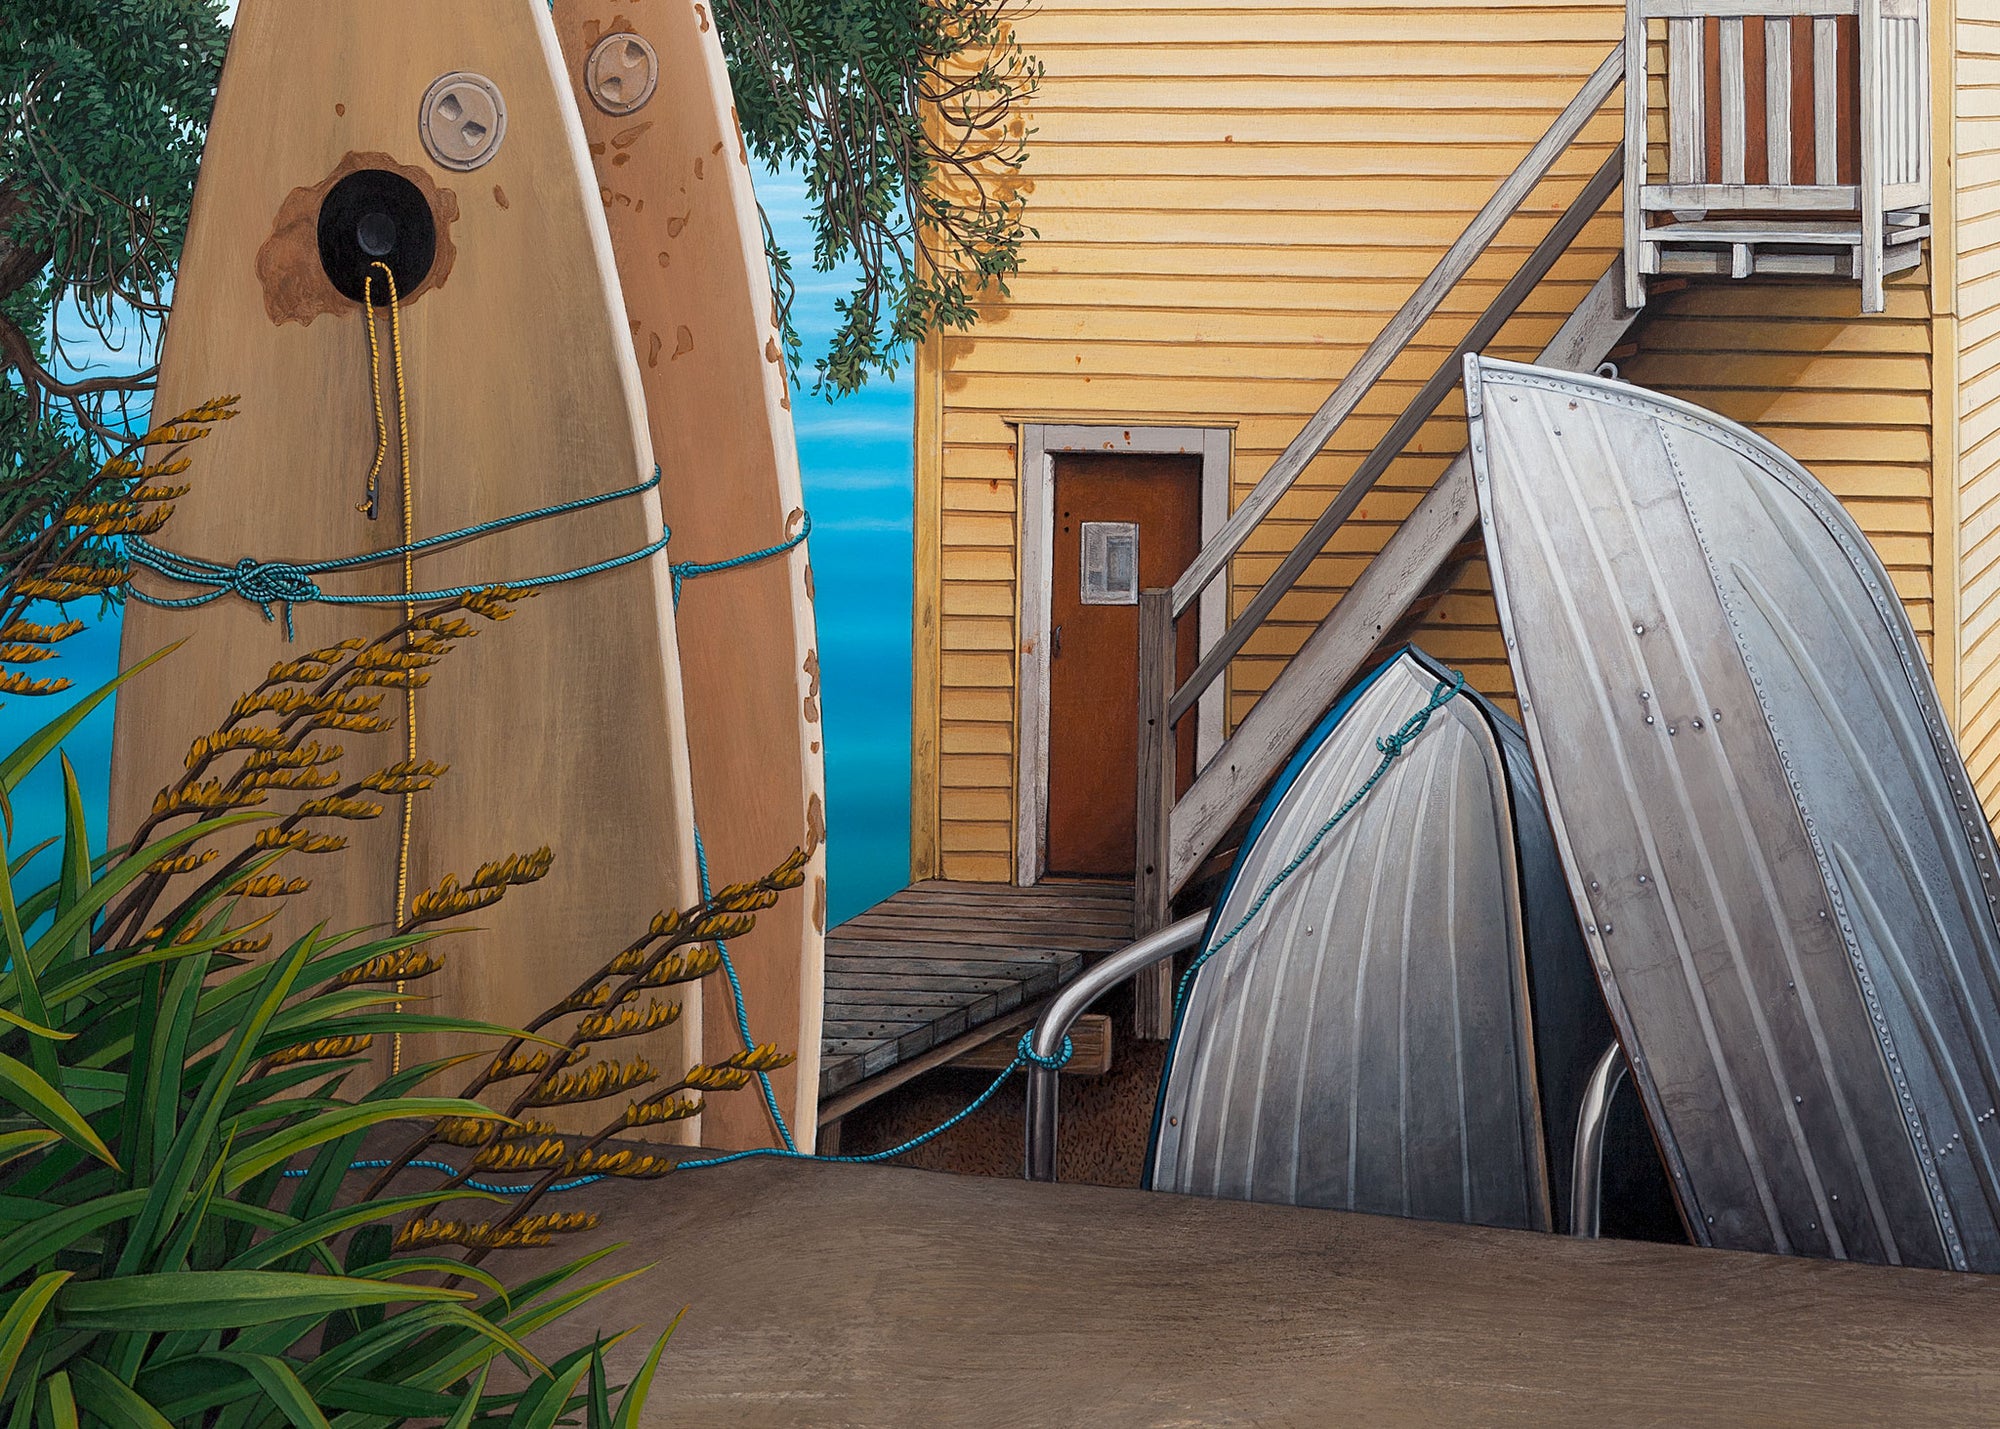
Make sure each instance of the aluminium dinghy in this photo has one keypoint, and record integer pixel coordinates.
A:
(1407, 1023)
(1767, 829)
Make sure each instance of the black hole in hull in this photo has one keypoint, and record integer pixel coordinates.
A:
(370, 217)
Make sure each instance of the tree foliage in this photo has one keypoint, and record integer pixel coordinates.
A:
(905, 119)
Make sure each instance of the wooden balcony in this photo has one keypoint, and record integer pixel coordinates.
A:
(1797, 140)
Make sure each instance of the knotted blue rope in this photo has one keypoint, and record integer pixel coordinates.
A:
(1390, 745)
(1024, 1056)
(289, 583)
(687, 570)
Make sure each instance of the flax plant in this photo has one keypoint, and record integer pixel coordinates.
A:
(183, 1093)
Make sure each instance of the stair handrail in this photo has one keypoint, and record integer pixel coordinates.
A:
(1216, 553)
(1590, 199)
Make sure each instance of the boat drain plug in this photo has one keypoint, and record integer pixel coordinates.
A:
(374, 216)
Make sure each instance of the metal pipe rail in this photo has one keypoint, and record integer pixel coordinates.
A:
(1071, 1003)
(1593, 1118)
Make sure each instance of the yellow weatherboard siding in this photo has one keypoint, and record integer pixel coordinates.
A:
(1230, 204)
(1975, 196)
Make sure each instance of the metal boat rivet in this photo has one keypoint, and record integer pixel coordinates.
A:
(622, 73)
(1798, 1100)
(1643, 878)
(1607, 927)
(1791, 985)
(1558, 431)
(1697, 723)
(1173, 1121)
(1711, 1220)
(1813, 1226)
(1822, 913)
(1593, 885)
(1834, 1196)
(1638, 630)
(1645, 694)
(1671, 730)
(462, 120)
(1649, 719)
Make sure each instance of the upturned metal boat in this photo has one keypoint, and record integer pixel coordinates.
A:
(1406, 1021)
(1769, 834)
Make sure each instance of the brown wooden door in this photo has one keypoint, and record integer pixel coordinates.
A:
(1094, 643)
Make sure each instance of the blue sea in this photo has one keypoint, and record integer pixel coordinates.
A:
(856, 458)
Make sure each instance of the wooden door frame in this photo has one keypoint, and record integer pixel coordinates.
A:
(1039, 444)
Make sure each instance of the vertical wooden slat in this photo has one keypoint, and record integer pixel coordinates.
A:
(1826, 101)
(1711, 97)
(1804, 99)
(1756, 104)
(1778, 100)
(1729, 43)
(1847, 100)
(1687, 156)
(1869, 167)
(1152, 895)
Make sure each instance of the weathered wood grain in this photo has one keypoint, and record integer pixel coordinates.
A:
(674, 180)
(824, 1295)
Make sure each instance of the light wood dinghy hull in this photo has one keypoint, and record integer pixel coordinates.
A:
(674, 178)
(563, 725)
(1408, 1024)
(1768, 830)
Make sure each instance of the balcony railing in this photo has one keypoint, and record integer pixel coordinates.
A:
(1797, 139)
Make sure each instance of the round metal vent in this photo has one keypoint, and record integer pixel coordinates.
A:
(622, 72)
(463, 120)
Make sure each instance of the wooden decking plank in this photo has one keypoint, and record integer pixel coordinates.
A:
(930, 982)
(1007, 892)
(1001, 934)
(855, 954)
(965, 968)
(1090, 913)
(838, 996)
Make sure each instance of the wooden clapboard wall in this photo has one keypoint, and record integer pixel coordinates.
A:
(1974, 137)
(1231, 201)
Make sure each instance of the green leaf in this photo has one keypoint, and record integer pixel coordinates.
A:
(20, 1085)
(77, 873)
(16, 1144)
(224, 1299)
(197, 1135)
(21, 1319)
(634, 1402)
(60, 1229)
(281, 1146)
(548, 1398)
(462, 1416)
(34, 1029)
(39, 745)
(112, 1400)
(276, 1379)
(59, 1401)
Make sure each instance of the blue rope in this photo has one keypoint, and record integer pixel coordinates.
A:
(682, 573)
(736, 994)
(687, 570)
(451, 1170)
(289, 583)
(1391, 745)
(1024, 1055)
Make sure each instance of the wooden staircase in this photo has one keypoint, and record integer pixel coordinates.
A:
(1787, 224)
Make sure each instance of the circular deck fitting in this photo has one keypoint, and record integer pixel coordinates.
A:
(462, 120)
(622, 72)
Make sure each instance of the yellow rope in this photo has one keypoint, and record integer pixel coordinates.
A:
(409, 561)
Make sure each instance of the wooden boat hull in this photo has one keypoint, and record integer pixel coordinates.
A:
(1408, 1024)
(1769, 833)
(674, 179)
(563, 725)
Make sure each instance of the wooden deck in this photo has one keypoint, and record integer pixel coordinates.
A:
(927, 968)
